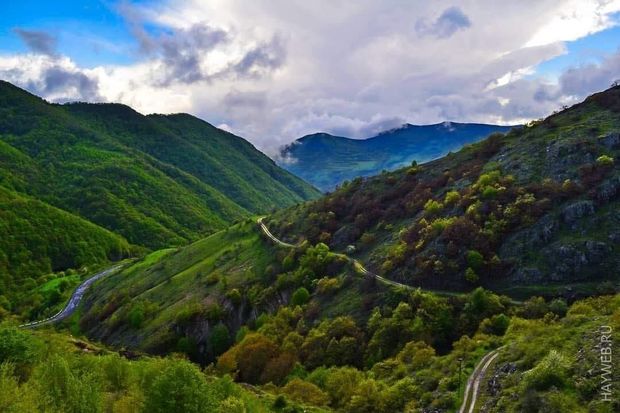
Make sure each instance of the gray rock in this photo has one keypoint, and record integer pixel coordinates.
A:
(608, 190)
(577, 210)
(611, 141)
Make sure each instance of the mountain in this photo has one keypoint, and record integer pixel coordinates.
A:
(482, 255)
(326, 160)
(535, 207)
(156, 180)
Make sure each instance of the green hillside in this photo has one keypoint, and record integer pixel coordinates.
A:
(302, 325)
(533, 210)
(156, 180)
(527, 213)
(37, 239)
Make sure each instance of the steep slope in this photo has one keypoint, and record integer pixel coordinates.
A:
(536, 206)
(157, 180)
(37, 239)
(326, 160)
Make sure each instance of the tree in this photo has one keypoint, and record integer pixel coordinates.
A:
(474, 259)
(300, 297)
(497, 325)
(305, 392)
(219, 339)
(471, 276)
(252, 355)
(179, 387)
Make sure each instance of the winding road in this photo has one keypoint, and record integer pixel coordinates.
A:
(356, 264)
(473, 383)
(74, 301)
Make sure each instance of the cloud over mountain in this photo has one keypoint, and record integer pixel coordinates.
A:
(276, 70)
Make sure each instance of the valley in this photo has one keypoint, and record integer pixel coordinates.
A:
(451, 285)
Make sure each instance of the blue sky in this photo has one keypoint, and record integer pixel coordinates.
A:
(589, 49)
(274, 70)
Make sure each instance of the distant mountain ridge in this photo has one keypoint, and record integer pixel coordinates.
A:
(326, 160)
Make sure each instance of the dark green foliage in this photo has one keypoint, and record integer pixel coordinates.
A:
(300, 296)
(157, 180)
(37, 239)
(179, 387)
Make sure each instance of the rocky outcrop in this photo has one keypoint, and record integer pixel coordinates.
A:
(608, 190)
(611, 141)
(577, 210)
(574, 262)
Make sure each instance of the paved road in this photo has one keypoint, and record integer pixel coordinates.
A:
(74, 301)
(356, 264)
(473, 383)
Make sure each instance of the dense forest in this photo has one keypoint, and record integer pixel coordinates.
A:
(156, 180)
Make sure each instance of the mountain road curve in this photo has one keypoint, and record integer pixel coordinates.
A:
(74, 301)
(356, 264)
(359, 267)
(470, 396)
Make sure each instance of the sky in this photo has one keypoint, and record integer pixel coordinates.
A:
(272, 71)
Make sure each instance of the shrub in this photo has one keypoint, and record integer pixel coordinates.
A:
(474, 259)
(559, 307)
(497, 325)
(306, 392)
(300, 297)
(234, 296)
(605, 161)
(213, 278)
(550, 371)
(452, 198)
(489, 192)
(179, 387)
(433, 207)
(471, 276)
(327, 285)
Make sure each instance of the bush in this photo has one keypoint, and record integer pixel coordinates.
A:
(605, 161)
(306, 392)
(474, 259)
(550, 371)
(471, 276)
(179, 387)
(433, 207)
(452, 198)
(213, 278)
(300, 297)
(496, 325)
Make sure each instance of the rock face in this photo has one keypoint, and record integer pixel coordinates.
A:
(611, 141)
(571, 261)
(577, 243)
(575, 211)
(608, 190)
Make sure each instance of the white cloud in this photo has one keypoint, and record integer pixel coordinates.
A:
(274, 70)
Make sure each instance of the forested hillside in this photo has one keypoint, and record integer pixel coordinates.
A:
(535, 209)
(37, 239)
(156, 180)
